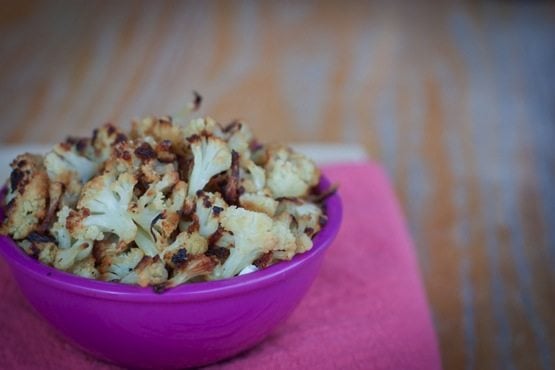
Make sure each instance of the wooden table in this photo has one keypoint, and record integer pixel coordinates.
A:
(458, 102)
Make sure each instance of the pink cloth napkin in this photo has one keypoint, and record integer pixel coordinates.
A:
(366, 310)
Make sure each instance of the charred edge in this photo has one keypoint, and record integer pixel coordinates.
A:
(141, 186)
(80, 143)
(94, 136)
(188, 209)
(193, 138)
(166, 144)
(180, 257)
(165, 154)
(220, 253)
(160, 288)
(231, 194)
(145, 152)
(197, 101)
(184, 166)
(165, 120)
(195, 225)
(51, 213)
(160, 216)
(322, 196)
(255, 145)
(233, 126)
(10, 205)
(16, 178)
(213, 239)
(144, 263)
(65, 146)
(36, 237)
(217, 210)
(263, 261)
(110, 128)
(206, 202)
(294, 200)
(35, 251)
(322, 221)
(120, 138)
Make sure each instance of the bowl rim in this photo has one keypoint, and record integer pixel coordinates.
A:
(16, 258)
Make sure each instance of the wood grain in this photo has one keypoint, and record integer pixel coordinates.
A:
(456, 99)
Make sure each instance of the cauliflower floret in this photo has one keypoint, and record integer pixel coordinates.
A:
(59, 229)
(40, 247)
(64, 162)
(208, 209)
(115, 267)
(197, 266)
(104, 139)
(157, 216)
(203, 127)
(123, 159)
(66, 258)
(86, 268)
(253, 177)
(254, 235)
(211, 156)
(290, 174)
(159, 128)
(286, 246)
(104, 207)
(239, 137)
(185, 245)
(27, 197)
(306, 220)
(150, 271)
(259, 203)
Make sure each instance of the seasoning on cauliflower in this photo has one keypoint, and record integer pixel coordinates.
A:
(27, 197)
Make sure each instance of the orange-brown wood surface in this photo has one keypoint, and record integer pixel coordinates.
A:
(456, 99)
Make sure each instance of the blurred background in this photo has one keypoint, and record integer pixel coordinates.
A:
(456, 99)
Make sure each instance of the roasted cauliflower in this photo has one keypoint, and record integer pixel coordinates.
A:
(164, 204)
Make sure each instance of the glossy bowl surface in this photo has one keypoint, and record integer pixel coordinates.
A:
(190, 325)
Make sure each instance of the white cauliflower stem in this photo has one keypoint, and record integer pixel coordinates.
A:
(211, 156)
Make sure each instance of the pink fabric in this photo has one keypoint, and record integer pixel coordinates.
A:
(366, 310)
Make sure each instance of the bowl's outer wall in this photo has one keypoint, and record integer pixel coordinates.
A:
(134, 334)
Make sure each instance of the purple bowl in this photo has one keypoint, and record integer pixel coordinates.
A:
(190, 325)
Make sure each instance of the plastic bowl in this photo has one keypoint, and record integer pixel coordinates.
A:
(190, 325)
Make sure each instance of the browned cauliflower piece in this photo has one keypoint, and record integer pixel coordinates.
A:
(27, 197)
(290, 174)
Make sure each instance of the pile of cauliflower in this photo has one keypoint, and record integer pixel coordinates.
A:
(164, 204)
